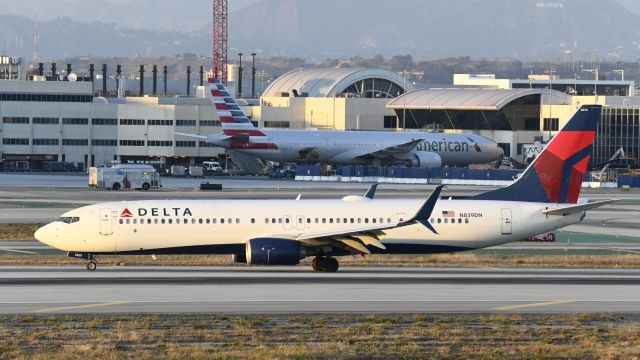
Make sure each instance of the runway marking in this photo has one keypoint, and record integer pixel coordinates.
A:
(523, 306)
(87, 306)
(19, 251)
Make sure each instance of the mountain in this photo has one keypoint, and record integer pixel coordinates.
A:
(317, 30)
(435, 28)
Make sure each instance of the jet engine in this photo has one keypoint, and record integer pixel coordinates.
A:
(425, 159)
(271, 251)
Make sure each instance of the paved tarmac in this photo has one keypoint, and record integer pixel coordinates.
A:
(300, 290)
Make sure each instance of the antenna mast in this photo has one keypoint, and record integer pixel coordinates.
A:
(220, 36)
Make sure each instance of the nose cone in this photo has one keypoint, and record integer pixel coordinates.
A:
(47, 234)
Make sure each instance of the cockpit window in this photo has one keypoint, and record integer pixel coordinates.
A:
(68, 219)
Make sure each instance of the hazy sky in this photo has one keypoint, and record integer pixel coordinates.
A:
(183, 15)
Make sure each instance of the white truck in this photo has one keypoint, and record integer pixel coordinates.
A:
(125, 176)
(196, 171)
(212, 168)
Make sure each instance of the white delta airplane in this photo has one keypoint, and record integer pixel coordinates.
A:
(282, 232)
(416, 149)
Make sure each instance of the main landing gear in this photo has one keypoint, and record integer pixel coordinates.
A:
(325, 264)
(92, 264)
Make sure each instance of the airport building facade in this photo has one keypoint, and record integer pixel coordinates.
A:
(63, 121)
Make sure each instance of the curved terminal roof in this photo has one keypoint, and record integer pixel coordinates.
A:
(465, 99)
(327, 82)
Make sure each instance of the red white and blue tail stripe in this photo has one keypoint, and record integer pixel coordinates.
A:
(232, 118)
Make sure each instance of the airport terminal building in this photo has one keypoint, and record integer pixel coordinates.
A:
(64, 121)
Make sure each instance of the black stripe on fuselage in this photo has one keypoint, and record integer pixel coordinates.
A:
(228, 249)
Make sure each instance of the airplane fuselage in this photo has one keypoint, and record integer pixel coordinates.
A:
(349, 147)
(217, 226)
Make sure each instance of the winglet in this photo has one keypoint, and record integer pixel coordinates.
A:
(423, 215)
(371, 192)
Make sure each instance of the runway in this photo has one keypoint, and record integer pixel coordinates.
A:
(300, 290)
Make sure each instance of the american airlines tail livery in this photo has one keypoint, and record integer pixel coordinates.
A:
(282, 232)
(417, 149)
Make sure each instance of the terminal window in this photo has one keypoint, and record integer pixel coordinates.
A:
(185, 123)
(131, 142)
(102, 121)
(277, 124)
(506, 147)
(211, 123)
(551, 124)
(104, 142)
(159, 143)
(131, 121)
(204, 144)
(15, 120)
(160, 122)
(45, 142)
(75, 142)
(46, 121)
(532, 124)
(15, 141)
(390, 122)
(186, 144)
(75, 121)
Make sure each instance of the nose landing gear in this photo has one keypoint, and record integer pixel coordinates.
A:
(92, 265)
(325, 264)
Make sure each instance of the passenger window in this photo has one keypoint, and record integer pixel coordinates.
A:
(366, 220)
(279, 220)
(128, 221)
(148, 221)
(221, 221)
(381, 220)
(135, 221)
(266, 220)
(466, 220)
(170, 221)
(121, 221)
(308, 220)
(330, 220)
(162, 221)
(273, 220)
(214, 221)
(155, 221)
(459, 220)
(317, 220)
(237, 221)
(431, 220)
(185, 221)
(389, 220)
(338, 220)
(446, 221)
(286, 220)
(253, 221)
(373, 220)
(439, 220)
(193, 221)
(344, 220)
(358, 220)
(207, 221)
(199, 221)
(230, 221)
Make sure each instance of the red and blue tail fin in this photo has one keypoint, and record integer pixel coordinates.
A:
(555, 176)
(232, 118)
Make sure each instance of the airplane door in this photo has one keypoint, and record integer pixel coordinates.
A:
(106, 222)
(506, 221)
(300, 222)
(287, 223)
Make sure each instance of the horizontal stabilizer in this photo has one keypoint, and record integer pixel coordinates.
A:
(576, 208)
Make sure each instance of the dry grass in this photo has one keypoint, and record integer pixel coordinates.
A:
(18, 231)
(324, 336)
(617, 261)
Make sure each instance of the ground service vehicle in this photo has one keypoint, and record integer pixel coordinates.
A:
(125, 176)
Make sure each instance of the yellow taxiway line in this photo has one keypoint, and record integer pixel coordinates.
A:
(530, 305)
(77, 307)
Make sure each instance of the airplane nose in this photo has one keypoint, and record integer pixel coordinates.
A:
(46, 234)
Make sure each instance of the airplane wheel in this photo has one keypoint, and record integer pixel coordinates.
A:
(331, 265)
(92, 265)
(315, 264)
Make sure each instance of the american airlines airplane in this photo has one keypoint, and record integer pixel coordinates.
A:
(282, 232)
(417, 149)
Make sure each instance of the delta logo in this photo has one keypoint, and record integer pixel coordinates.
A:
(126, 213)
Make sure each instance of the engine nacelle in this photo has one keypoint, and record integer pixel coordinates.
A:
(271, 251)
(425, 159)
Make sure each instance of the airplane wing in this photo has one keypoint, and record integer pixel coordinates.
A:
(219, 137)
(356, 239)
(393, 150)
(576, 208)
(195, 136)
(388, 152)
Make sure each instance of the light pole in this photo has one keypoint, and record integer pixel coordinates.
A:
(240, 77)
(596, 73)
